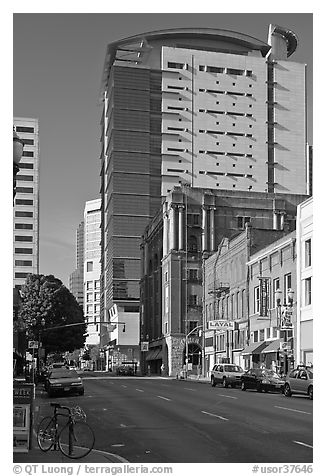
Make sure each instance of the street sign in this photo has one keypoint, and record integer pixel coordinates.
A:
(144, 346)
(33, 344)
(221, 324)
(285, 346)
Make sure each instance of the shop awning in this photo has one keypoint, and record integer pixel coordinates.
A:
(273, 346)
(254, 348)
(154, 354)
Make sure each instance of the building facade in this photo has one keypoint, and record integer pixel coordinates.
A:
(272, 270)
(26, 202)
(207, 107)
(92, 270)
(227, 294)
(304, 327)
(76, 279)
(195, 221)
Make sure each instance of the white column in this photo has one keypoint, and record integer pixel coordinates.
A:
(165, 234)
(212, 228)
(204, 229)
(282, 222)
(181, 228)
(172, 227)
(275, 220)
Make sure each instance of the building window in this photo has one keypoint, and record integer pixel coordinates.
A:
(307, 291)
(26, 238)
(24, 129)
(214, 69)
(89, 297)
(192, 325)
(255, 336)
(23, 226)
(25, 165)
(22, 201)
(20, 262)
(97, 296)
(287, 286)
(21, 275)
(28, 153)
(242, 221)
(89, 266)
(268, 332)
(276, 286)
(97, 284)
(23, 214)
(25, 178)
(176, 65)
(307, 250)
(89, 285)
(261, 335)
(256, 299)
(24, 251)
(89, 308)
(192, 274)
(24, 189)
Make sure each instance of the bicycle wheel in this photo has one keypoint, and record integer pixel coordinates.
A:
(46, 433)
(76, 440)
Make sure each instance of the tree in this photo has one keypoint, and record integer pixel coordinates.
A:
(46, 298)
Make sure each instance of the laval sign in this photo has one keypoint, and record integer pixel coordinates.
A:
(222, 324)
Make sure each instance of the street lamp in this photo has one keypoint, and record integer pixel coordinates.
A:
(187, 347)
(35, 324)
(284, 319)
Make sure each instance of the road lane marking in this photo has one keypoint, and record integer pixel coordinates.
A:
(226, 396)
(164, 398)
(139, 390)
(124, 386)
(216, 416)
(191, 389)
(303, 444)
(293, 410)
(118, 445)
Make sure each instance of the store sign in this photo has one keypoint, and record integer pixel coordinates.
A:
(221, 324)
(286, 319)
(263, 296)
(285, 346)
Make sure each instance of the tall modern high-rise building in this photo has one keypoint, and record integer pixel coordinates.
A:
(76, 278)
(92, 269)
(26, 203)
(211, 108)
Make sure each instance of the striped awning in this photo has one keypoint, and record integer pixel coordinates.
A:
(273, 346)
(154, 354)
(254, 348)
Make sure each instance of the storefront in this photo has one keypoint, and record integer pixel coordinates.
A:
(270, 355)
(252, 354)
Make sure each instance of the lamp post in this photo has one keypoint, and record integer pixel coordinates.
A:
(284, 319)
(35, 324)
(187, 347)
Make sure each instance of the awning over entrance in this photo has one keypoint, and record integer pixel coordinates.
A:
(272, 346)
(254, 348)
(154, 354)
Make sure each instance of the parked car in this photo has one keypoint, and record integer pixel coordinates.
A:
(262, 379)
(63, 380)
(299, 381)
(226, 374)
(125, 370)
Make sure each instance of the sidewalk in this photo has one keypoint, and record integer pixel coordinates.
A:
(35, 455)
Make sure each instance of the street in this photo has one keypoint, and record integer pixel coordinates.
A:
(147, 420)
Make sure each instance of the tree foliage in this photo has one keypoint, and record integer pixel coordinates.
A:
(46, 297)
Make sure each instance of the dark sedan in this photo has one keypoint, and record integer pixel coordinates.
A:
(262, 379)
(63, 381)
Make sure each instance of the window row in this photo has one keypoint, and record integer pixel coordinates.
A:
(212, 69)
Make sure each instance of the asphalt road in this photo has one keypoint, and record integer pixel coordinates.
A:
(157, 420)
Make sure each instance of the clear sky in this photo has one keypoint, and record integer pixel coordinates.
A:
(57, 67)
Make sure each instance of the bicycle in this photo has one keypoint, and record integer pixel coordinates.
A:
(75, 440)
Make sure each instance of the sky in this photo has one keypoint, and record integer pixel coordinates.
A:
(57, 68)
